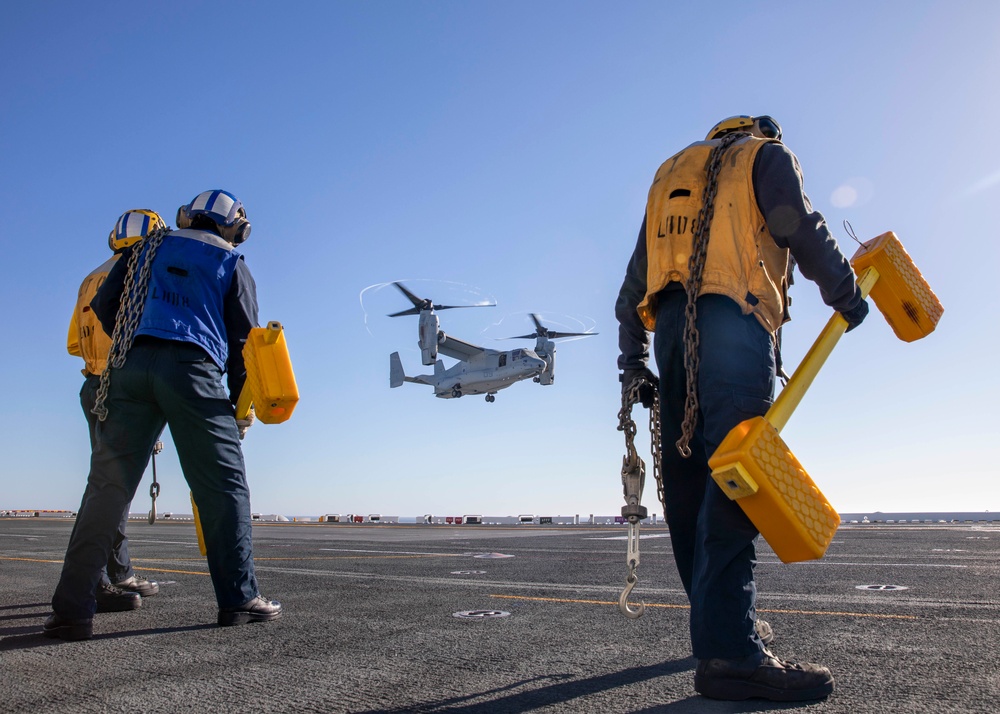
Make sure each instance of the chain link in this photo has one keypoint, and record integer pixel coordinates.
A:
(696, 267)
(132, 302)
(632, 461)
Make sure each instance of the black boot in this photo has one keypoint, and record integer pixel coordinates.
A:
(761, 675)
(70, 630)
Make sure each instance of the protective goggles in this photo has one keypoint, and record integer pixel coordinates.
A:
(768, 127)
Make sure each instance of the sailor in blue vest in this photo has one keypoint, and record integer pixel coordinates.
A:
(179, 330)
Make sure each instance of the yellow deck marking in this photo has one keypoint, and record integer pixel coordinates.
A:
(356, 557)
(688, 607)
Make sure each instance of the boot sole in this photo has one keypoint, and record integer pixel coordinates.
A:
(143, 592)
(227, 619)
(735, 690)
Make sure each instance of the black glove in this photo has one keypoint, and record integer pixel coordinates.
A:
(856, 315)
(647, 391)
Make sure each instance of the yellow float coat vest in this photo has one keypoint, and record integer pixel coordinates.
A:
(743, 262)
(86, 337)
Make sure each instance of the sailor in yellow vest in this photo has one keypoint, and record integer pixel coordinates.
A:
(120, 588)
(744, 187)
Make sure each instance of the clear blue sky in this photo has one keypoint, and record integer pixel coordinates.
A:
(504, 148)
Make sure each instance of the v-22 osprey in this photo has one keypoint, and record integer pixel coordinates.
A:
(479, 370)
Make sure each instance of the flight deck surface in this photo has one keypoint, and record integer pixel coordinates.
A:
(476, 618)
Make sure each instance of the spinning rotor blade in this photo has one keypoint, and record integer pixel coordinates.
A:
(420, 304)
(542, 331)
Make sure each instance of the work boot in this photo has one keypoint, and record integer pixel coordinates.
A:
(260, 609)
(61, 628)
(146, 588)
(764, 631)
(111, 598)
(761, 675)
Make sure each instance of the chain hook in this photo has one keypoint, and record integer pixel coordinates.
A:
(154, 491)
(633, 480)
(154, 488)
(630, 582)
(632, 579)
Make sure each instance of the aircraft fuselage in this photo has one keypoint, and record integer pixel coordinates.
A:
(488, 373)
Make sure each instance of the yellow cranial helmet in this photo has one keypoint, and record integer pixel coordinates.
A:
(762, 126)
(132, 227)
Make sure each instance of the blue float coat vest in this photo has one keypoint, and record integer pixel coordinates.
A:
(192, 272)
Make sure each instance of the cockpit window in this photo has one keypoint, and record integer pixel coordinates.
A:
(517, 354)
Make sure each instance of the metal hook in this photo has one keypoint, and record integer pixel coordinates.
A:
(154, 491)
(630, 582)
(154, 488)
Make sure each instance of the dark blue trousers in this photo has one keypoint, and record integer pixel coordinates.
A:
(119, 565)
(177, 384)
(712, 539)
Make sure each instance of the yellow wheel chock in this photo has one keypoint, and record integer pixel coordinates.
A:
(754, 467)
(270, 387)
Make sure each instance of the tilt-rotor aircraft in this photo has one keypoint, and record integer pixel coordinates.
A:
(479, 370)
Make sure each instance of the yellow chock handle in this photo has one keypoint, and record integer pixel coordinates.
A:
(273, 332)
(244, 403)
(781, 411)
(197, 528)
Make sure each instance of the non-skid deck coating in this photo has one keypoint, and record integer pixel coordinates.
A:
(369, 623)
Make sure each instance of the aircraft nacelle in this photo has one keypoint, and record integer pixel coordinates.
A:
(548, 375)
(428, 329)
(546, 350)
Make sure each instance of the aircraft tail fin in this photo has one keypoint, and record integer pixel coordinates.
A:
(438, 368)
(396, 374)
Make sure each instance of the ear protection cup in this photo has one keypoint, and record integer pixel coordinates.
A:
(236, 233)
(242, 231)
(183, 218)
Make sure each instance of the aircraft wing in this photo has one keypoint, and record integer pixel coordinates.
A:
(459, 349)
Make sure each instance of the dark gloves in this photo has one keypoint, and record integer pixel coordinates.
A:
(856, 315)
(647, 391)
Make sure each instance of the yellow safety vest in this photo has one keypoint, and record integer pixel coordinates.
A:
(743, 262)
(86, 337)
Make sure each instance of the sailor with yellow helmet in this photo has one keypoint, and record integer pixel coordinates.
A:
(746, 187)
(120, 588)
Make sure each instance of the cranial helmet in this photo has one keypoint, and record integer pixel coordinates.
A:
(221, 208)
(132, 227)
(762, 126)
